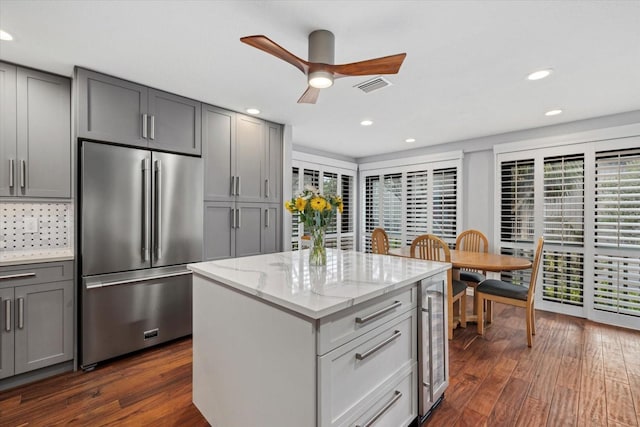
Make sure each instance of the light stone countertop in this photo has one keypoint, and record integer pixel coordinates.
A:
(35, 256)
(287, 280)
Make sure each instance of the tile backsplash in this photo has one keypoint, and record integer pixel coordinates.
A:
(35, 226)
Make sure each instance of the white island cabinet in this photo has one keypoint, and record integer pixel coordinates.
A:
(277, 343)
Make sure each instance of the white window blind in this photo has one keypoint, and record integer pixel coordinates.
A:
(417, 204)
(445, 187)
(617, 232)
(392, 208)
(347, 229)
(371, 208)
(295, 226)
(563, 270)
(330, 186)
(517, 201)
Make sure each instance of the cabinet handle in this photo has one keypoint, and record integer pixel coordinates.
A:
(233, 185)
(20, 313)
(17, 276)
(396, 335)
(239, 217)
(238, 185)
(396, 396)
(266, 220)
(152, 134)
(380, 312)
(431, 343)
(266, 188)
(144, 125)
(233, 218)
(23, 173)
(12, 173)
(7, 315)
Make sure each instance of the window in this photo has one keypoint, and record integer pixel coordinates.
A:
(516, 222)
(329, 180)
(408, 201)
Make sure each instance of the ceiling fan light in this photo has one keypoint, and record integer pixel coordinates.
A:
(320, 79)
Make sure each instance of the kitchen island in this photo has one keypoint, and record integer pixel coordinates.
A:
(279, 343)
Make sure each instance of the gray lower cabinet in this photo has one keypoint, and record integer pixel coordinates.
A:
(36, 308)
(116, 110)
(240, 229)
(35, 133)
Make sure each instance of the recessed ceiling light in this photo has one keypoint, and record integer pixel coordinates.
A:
(253, 111)
(540, 74)
(410, 140)
(553, 113)
(366, 123)
(5, 36)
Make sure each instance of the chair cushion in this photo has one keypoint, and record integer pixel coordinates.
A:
(471, 276)
(503, 289)
(458, 287)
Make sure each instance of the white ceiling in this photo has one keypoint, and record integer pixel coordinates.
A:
(464, 75)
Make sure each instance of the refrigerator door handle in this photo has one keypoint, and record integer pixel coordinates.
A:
(146, 218)
(158, 208)
(133, 281)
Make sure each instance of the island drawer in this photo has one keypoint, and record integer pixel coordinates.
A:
(31, 274)
(395, 404)
(342, 327)
(349, 375)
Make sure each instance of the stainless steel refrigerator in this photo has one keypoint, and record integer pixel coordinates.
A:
(140, 223)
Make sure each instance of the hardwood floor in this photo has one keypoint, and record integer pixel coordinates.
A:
(578, 373)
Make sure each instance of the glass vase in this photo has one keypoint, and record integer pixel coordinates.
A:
(317, 252)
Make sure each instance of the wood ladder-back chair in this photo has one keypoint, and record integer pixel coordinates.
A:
(507, 293)
(379, 242)
(472, 241)
(433, 248)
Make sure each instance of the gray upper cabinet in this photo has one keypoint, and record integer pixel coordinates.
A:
(250, 159)
(8, 153)
(115, 110)
(35, 133)
(273, 162)
(219, 135)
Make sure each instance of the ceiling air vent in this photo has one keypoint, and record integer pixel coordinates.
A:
(373, 84)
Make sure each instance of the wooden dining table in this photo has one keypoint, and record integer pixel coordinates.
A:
(482, 261)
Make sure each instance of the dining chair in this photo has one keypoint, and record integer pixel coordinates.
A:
(472, 241)
(491, 290)
(433, 248)
(379, 242)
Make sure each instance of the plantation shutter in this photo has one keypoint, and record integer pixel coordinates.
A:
(417, 204)
(445, 187)
(372, 208)
(347, 232)
(563, 269)
(617, 235)
(295, 226)
(392, 208)
(330, 186)
(516, 210)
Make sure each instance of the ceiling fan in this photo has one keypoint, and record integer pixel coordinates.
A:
(320, 69)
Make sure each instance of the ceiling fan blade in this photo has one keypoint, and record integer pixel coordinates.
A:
(385, 65)
(310, 96)
(267, 45)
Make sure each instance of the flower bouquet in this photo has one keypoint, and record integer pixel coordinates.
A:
(316, 213)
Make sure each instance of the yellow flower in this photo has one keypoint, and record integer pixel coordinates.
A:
(301, 204)
(289, 206)
(340, 207)
(318, 203)
(328, 207)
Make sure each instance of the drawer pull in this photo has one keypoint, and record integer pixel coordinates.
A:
(7, 315)
(17, 276)
(368, 353)
(380, 312)
(396, 396)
